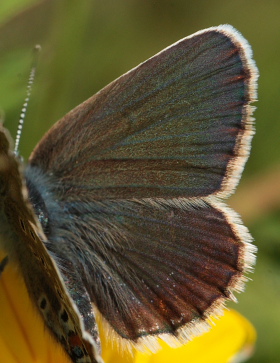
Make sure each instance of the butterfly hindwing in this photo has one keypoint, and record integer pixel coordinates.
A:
(154, 267)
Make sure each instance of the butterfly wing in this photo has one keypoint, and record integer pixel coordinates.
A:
(159, 267)
(178, 125)
(130, 180)
(22, 241)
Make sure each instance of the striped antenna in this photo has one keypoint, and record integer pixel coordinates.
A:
(37, 48)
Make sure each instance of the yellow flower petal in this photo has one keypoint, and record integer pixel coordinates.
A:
(23, 336)
(230, 340)
(24, 339)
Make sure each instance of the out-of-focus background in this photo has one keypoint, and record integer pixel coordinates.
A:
(86, 44)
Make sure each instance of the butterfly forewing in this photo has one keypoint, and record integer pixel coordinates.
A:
(175, 126)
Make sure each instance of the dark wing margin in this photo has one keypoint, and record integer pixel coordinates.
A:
(178, 125)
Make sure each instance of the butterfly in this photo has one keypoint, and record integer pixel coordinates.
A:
(119, 212)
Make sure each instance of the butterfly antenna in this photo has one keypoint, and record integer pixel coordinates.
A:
(37, 49)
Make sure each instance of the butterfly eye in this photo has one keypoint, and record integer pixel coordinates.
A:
(4, 169)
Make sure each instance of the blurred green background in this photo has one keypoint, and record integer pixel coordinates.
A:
(86, 44)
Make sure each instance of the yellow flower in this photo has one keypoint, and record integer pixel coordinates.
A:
(24, 339)
(23, 336)
(230, 340)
